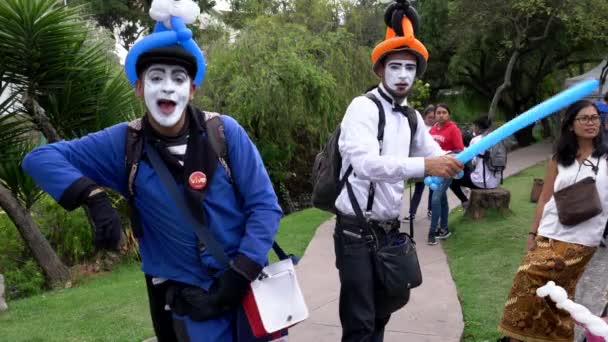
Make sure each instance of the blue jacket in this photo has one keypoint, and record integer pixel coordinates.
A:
(244, 224)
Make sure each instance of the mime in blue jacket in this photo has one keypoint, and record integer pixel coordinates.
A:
(241, 210)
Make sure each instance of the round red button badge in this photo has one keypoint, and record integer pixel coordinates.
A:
(197, 180)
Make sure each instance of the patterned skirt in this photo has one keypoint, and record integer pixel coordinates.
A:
(527, 317)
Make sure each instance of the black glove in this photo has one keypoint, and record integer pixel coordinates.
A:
(106, 221)
(226, 293)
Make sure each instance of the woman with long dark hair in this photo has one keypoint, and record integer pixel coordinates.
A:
(559, 248)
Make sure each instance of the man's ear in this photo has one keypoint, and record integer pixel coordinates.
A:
(381, 68)
(192, 90)
(139, 88)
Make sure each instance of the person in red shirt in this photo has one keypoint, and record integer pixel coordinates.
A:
(446, 132)
(448, 136)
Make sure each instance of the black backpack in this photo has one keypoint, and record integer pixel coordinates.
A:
(134, 147)
(326, 182)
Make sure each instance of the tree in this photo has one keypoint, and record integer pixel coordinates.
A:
(129, 18)
(435, 34)
(364, 19)
(289, 85)
(16, 193)
(63, 84)
(527, 43)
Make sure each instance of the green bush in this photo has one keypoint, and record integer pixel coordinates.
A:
(24, 280)
(289, 86)
(69, 232)
(22, 274)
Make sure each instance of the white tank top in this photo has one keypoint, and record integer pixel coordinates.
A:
(588, 233)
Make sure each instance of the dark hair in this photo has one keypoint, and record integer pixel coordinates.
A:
(443, 105)
(430, 108)
(606, 97)
(483, 122)
(567, 144)
(171, 55)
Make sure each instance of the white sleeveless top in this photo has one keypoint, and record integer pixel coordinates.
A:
(588, 233)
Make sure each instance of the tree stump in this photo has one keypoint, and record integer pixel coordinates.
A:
(483, 199)
(3, 306)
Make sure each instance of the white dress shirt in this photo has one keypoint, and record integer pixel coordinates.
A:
(359, 147)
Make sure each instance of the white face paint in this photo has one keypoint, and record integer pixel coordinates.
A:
(399, 75)
(166, 93)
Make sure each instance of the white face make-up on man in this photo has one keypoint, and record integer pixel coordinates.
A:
(399, 76)
(166, 93)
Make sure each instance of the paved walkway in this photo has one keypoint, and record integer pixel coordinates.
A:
(433, 313)
(592, 289)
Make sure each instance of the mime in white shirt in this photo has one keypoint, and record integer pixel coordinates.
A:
(364, 307)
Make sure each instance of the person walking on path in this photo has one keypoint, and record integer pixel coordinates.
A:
(448, 136)
(230, 194)
(379, 169)
(428, 115)
(559, 244)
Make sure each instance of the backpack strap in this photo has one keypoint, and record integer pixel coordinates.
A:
(133, 150)
(380, 137)
(217, 139)
(134, 146)
(412, 119)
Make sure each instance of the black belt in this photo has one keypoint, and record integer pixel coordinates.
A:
(384, 225)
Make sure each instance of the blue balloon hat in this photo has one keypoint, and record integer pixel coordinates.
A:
(178, 34)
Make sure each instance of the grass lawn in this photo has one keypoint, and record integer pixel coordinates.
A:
(484, 256)
(114, 307)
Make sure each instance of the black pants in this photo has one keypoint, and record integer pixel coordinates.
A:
(415, 200)
(162, 320)
(365, 308)
(466, 182)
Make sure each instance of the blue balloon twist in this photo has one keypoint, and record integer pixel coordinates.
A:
(179, 34)
(555, 103)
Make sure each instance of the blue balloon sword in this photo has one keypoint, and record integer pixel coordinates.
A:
(540, 111)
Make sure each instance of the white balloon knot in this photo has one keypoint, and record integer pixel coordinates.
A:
(579, 313)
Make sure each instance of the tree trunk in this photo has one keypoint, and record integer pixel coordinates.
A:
(483, 199)
(55, 270)
(524, 136)
(547, 133)
(38, 115)
(506, 83)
